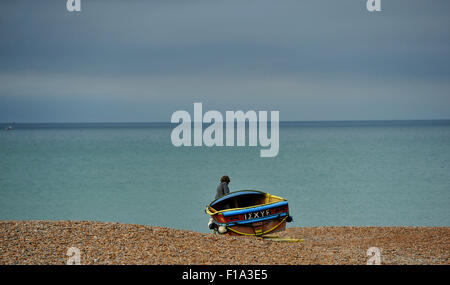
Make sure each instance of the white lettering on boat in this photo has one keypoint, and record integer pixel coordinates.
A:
(256, 215)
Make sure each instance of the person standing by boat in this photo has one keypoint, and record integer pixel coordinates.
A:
(223, 189)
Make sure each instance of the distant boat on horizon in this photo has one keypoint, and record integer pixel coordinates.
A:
(9, 128)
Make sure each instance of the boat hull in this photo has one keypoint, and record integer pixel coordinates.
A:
(255, 213)
(257, 229)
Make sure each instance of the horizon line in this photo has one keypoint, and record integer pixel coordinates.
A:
(168, 122)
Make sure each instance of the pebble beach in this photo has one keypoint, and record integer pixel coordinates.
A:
(47, 242)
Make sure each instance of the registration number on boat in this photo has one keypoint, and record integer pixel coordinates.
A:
(258, 214)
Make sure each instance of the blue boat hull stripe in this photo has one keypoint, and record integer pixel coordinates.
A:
(255, 209)
(256, 220)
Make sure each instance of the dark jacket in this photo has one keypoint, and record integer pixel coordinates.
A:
(222, 190)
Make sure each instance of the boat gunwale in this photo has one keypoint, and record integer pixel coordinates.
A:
(263, 207)
(257, 220)
(234, 192)
(207, 210)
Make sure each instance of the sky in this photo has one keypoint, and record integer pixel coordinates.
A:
(140, 61)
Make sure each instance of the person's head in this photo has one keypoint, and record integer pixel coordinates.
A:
(225, 179)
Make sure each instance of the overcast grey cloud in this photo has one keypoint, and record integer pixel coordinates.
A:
(142, 60)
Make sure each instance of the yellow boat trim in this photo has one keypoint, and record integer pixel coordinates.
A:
(261, 232)
(214, 212)
(268, 197)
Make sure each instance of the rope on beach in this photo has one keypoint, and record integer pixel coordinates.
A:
(277, 238)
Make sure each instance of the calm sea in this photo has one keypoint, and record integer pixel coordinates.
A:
(333, 173)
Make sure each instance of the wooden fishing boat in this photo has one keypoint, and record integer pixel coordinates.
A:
(249, 212)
